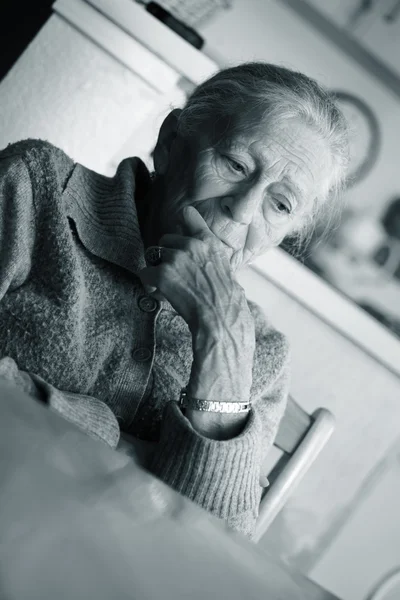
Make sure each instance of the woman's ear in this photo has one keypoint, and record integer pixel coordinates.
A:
(166, 138)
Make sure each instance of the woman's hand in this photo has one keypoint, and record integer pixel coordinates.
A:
(196, 278)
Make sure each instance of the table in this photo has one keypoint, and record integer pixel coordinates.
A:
(79, 520)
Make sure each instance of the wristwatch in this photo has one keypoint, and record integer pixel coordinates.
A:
(186, 401)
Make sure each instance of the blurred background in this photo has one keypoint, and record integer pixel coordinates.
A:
(76, 72)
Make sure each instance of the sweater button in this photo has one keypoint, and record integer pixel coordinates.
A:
(147, 304)
(142, 354)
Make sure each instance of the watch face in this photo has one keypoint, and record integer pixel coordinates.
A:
(364, 135)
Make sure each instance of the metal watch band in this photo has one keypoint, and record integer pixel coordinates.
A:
(186, 401)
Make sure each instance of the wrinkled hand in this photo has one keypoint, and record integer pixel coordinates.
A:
(196, 278)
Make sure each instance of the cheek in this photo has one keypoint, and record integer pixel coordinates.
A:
(276, 226)
(207, 184)
(263, 237)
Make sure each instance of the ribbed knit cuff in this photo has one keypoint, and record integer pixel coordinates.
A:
(89, 414)
(221, 476)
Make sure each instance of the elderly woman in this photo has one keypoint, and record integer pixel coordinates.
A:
(119, 304)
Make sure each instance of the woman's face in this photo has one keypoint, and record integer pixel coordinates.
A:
(253, 192)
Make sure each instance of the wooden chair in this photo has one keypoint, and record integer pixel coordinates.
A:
(301, 437)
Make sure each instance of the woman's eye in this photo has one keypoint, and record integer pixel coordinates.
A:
(282, 206)
(235, 166)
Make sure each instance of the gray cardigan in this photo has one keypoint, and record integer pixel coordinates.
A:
(78, 331)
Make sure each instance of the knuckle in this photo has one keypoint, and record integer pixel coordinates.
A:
(197, 247)
(176, 258)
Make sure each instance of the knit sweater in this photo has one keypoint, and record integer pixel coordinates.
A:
(79, 332)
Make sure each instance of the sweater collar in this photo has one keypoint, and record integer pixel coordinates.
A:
(105, 211)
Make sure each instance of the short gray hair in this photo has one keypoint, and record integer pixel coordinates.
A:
(238, 98)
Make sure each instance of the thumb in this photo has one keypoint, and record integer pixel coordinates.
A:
(194, 223)
(149, 289)
(146, 279)
(156, 294)
(153, 292)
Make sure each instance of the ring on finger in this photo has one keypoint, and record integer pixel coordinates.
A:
(153, 255)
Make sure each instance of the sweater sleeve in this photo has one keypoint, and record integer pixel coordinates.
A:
(17, 237)
(222, 476)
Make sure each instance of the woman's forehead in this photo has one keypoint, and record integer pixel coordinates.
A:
(275, 135)
(294, 142)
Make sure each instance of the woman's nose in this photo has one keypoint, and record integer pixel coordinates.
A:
(241, 208)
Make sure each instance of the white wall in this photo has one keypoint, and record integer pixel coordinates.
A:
(67, 90)
(268, 30)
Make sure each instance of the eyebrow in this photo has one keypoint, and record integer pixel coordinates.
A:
(293, 185)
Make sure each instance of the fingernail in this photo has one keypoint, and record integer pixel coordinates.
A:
(149, 289)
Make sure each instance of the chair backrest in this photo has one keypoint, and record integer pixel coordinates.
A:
(301, 438)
